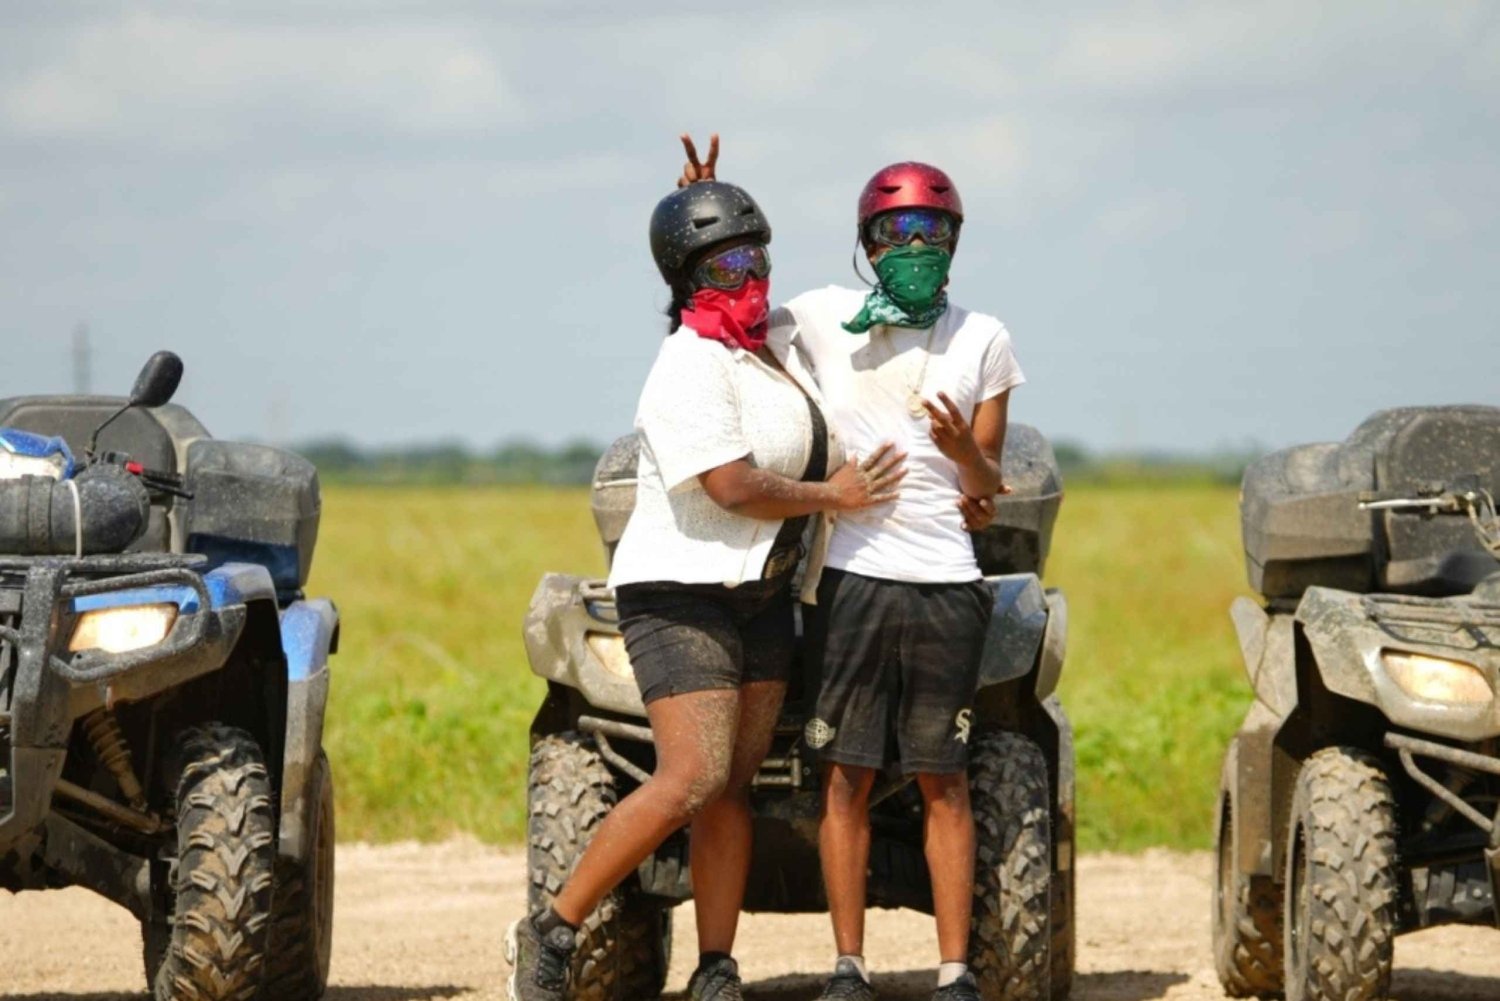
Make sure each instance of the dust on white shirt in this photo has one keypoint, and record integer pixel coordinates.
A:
(866, 382)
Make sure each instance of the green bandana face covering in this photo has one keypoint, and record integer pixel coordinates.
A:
(910, 292)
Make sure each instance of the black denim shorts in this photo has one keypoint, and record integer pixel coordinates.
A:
(698, 637)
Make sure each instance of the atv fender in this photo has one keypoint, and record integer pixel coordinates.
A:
(1054, 645)
(1065, 819)
(564, 611)
(309, 634)
(1339, 633)
(1248, 784)
(1017, 627)
(1346, 634)
(1266, 643)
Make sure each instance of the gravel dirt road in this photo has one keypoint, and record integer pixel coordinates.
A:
(419, 923)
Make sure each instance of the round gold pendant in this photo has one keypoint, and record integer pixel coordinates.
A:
(915, 407)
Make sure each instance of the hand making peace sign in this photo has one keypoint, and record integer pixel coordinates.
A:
(693, 171)
(950, 431)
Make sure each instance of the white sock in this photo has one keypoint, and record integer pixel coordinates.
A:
(949, 972)
(856, 963)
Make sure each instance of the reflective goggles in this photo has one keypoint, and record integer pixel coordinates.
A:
(728, 269)
(901, 226)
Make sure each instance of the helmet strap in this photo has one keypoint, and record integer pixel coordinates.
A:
(859, 244)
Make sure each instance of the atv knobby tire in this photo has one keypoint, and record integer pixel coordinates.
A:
(302, 905)
(624, 946)
(1247, 916)
(1341, 880)
(1010, 943)
(210, 944)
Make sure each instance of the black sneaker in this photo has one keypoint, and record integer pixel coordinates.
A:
(716, 979)
(965, 988)
(541, 962)
(847, 985)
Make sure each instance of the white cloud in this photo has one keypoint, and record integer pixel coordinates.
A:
(192, 81)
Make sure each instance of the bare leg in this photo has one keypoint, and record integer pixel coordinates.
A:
(721, 840)
(948, 837)
(844, 843)
(694, 738)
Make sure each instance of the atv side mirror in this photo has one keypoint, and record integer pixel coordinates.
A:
(158, 380)
(154, 387)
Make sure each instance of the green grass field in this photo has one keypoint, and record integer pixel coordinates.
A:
(433, 697)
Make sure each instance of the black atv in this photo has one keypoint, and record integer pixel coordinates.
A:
(1361, 796)
(590, 747)
(163, 683)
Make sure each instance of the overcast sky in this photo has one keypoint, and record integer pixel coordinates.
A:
(1204, 223)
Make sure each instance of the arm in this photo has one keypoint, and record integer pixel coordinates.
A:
(746, 490)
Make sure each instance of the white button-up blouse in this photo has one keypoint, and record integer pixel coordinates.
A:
(704, 405)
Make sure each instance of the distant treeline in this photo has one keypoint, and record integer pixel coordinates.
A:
(452, 464)
(572, 464)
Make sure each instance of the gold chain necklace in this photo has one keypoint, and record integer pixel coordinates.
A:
(914, 402)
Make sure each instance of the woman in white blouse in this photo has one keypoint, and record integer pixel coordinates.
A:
(735, 460)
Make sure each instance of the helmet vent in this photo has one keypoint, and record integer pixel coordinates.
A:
(941, 189)
(703, 222)
(747, 210)
(890, 189)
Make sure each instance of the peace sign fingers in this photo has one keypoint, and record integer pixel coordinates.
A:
(694, 171)
(955, 415)
(949, 430)
(941, 421)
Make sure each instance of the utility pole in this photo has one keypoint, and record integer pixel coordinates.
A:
(82, 359)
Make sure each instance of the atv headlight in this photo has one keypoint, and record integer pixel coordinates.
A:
(609, 650)
(123, 629)
(1437, 679)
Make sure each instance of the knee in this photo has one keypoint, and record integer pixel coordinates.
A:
(847, 790)
(688, 794)
(948, 793)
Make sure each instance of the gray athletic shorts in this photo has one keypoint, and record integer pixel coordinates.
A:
(900, 664)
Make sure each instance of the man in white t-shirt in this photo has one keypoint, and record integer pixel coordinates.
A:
(902, 609)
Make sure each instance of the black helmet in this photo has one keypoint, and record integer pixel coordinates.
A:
(698, 216)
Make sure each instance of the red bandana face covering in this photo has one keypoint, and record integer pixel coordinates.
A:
(736, 318)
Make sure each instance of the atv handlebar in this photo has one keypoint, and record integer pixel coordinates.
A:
(157, 482)
(1465, 497)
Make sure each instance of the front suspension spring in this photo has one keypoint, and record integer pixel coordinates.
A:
(104, 733)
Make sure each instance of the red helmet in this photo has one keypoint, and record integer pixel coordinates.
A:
(908, 185)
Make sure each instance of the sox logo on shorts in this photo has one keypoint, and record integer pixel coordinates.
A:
(818, 734)
(963, 721)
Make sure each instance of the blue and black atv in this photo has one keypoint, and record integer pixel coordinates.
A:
(163, 682)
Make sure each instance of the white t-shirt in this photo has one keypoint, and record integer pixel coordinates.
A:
(866, 380)
(704, 405)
